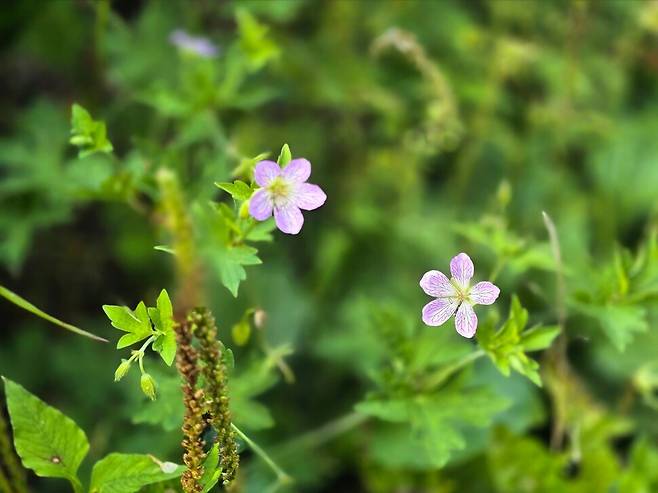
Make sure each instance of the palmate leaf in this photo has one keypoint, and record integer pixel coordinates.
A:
(47, 441)
(432, 424)
(226, 256)
(229, 263)
(507, 346)
(128, 473)
(89, 135)
(163, 318)
(239, 190)
(136, 323)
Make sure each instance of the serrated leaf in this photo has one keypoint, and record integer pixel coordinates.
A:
(262, 231)
(619, 322)
(163, 320)
(137, 323)
(88, 134)
(239, 190)
(229, 264)
(26, 305)
(128, 473)
(436, 421)
(47, 441)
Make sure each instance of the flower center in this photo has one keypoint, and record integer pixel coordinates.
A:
(462, 292)
(279, 190)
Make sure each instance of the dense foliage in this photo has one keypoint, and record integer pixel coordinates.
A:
(520, 132)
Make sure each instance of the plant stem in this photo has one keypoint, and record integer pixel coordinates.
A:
(281, 475)
(557, 353)
(442, 374)
(326, 432)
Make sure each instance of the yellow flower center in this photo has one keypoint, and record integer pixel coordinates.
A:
(279, 190)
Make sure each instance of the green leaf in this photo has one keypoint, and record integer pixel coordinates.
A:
(89, 135)
(239, 190)
(619, 322)
(539, 338)
(506, 347)
(262, 231)
(229, 265)
(137, 323)
(285, 156)
(212, 471)
(26, 305)
(128, 473)
(47, 441)
(163, 320)
(436, 422)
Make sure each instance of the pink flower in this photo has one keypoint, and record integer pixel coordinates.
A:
(456, 295)
(284, 192)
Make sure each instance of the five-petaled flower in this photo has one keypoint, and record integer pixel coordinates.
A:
(284, 192)
(456, 295)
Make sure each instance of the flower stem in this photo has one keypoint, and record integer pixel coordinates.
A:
(443, 373)
(281, 475)
(326, 432)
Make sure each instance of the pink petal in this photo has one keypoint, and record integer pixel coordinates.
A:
(484, 293)
(462, 268)
(297, 170)
(437, 284)
(260, 205)
(308, 197)
(466, 321)
(438, 311)
(289, 219)
(265, 172)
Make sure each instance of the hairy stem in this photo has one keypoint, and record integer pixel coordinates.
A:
(180, 227)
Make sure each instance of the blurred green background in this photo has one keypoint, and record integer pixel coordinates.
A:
(434, 127)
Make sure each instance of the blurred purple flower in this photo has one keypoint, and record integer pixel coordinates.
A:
(197, 45)
(456, 295)
(284, 192)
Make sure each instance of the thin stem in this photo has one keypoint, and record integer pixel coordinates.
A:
(442, 374)
(557, 354)
(325, 433)
(281, 475)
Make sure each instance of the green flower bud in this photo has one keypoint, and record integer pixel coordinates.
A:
(121, 370)
(147, 383)
(241, 332)
(244, 210)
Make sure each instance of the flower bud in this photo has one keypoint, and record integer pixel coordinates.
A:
(148, 385)
(121, 370)
(244, 210)
(241, 332)
(260, 318)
